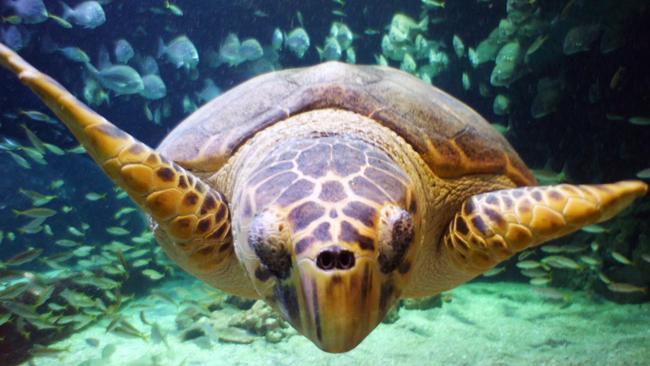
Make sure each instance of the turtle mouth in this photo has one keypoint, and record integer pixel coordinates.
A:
(338, 307)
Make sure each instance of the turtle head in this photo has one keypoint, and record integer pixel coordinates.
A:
(331, 249)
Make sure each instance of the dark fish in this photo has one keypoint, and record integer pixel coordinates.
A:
(36, 212)
(143, 319)
(180, 52)
(108, 351)
(157, 335)
(30, 11)
(121, 79)
(24, 257)
(123, 51)
(20, 309)
(129, 332)
(43, 295)
(43, 351)
(13, 38)
(580, 38)
(13, 291)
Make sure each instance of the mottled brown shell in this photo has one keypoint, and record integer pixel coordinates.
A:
(452, 138)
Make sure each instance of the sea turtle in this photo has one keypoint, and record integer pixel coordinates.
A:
(332, 191)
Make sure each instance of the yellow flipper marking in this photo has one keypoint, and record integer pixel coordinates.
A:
(493, 226)
(194, 216)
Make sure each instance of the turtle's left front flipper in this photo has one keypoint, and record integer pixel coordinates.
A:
(493, 226)
(194, 216)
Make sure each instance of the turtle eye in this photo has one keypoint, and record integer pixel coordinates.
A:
(268, 238)
(395, 237)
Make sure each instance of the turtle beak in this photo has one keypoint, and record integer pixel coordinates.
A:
(339, 307)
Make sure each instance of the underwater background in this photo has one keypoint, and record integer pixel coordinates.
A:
(82, 281)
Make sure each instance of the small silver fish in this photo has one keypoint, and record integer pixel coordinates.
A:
(154, 87)
(74, 54)
(35, 140)
(77, 150)
(643, 174)
(38, 199)
(331, 51)
(535, 272)
(639, 121)
(153, 274)
(54, 149)
(528, 264)
(552, 249)
(580, 38)
(173, 8)
(277, 39)
(22, 162)
(121, 79)
(494, 271)
(594, 229)
(74, 231)
(93, 196)
(251, 50)
(540, 281)
(118, 231)
(88, 14)
(157, 334)
(180, 52)
(297, 41)
(123, 51)
(620, 258)
(591, 261)
(559, 261)
(36, 212)
(646, 257)
(38, 116)
(29, 11)
(625, 287)
(93, 342)
(123, 211)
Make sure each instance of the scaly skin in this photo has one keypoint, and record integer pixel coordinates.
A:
(193, 218)
(492, 227)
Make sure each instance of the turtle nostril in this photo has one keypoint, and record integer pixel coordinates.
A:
(326, 260)
(345, 260)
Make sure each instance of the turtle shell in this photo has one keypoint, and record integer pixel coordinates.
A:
(451, 137)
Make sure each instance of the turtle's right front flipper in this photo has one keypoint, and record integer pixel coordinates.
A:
(194, 217)
(493, 226)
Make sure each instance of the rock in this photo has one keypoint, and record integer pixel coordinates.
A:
(240, 302)
(192, 333)
(271, 323)
(274, 336)
(233, 335)
(423, 303)
(261, 320)
(188, 316)
(392, 316)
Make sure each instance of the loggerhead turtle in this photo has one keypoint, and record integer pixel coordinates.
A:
(332, 191)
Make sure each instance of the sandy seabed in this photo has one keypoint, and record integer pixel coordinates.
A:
(484, 324)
